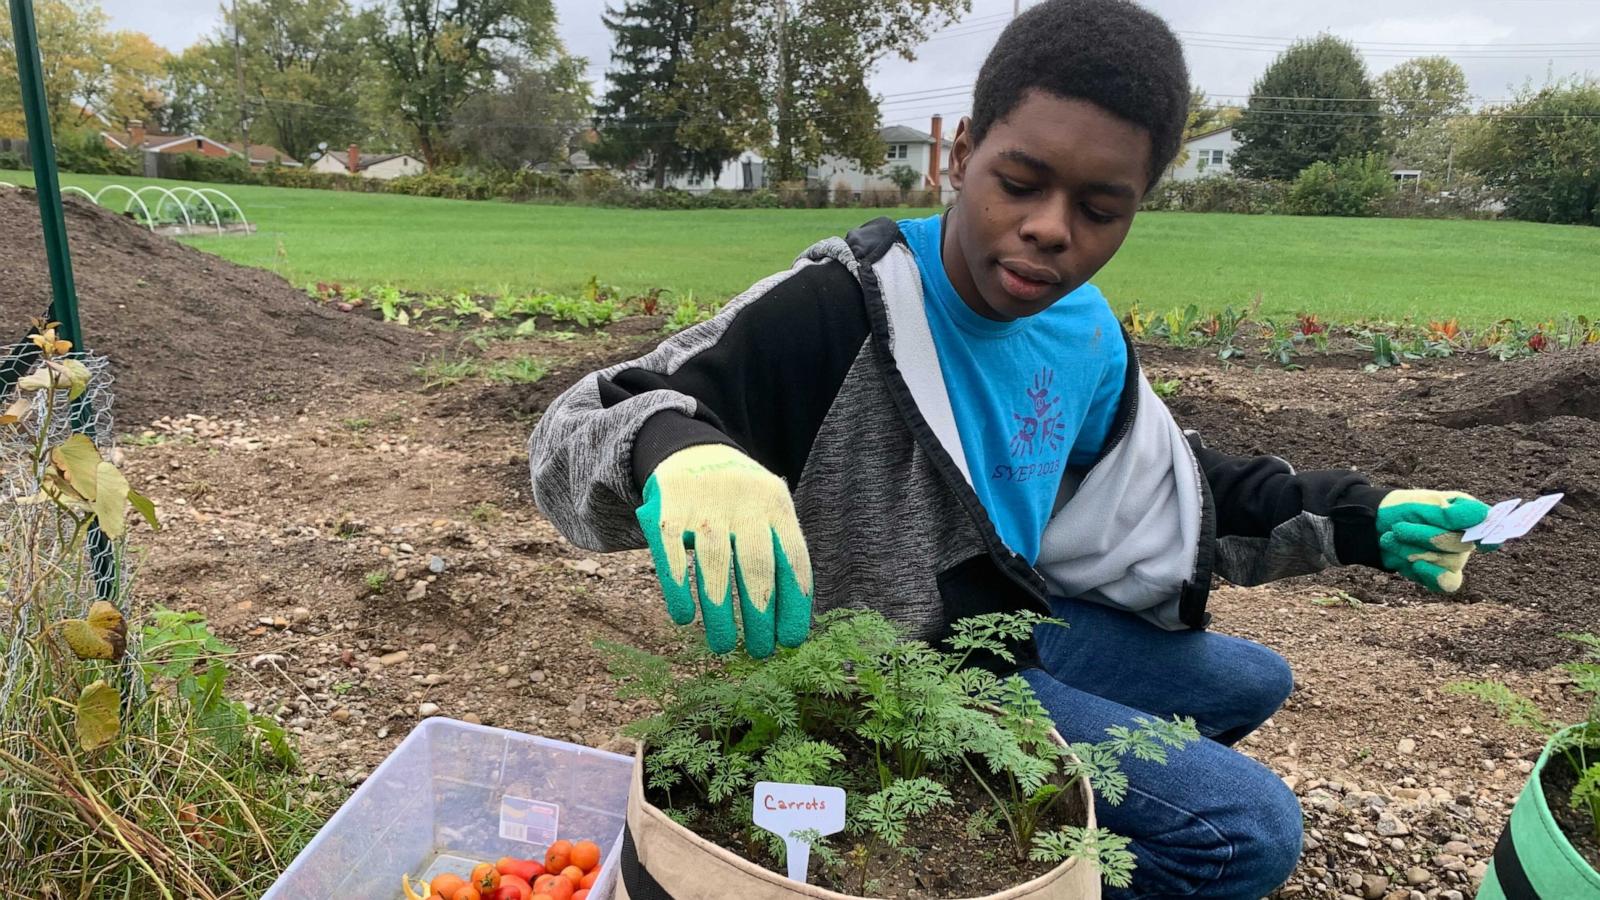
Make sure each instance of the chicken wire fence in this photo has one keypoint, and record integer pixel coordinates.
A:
(35, 538)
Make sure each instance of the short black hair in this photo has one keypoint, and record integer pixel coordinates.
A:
(1112, 53)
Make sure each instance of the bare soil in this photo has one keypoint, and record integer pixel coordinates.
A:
(186, 331)
(371, 549)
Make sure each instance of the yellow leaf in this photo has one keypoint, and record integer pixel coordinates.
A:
(18, 408)
(98, 715)
(79, 460)
(40, 380)
(76, 375)
(111, 501)
(144, 507)
(103, 635)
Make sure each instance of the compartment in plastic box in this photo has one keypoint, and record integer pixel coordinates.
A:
(453, 794)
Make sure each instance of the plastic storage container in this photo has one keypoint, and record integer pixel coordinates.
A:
(454, 794)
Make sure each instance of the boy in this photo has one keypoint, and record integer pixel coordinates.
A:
(964, 428)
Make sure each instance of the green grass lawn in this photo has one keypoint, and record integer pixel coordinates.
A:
(1341, 269)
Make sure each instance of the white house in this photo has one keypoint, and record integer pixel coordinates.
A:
(905, 146)
(745, 172)
(1210, 153)
(382, 166)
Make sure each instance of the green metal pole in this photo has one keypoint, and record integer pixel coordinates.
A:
(63, 293)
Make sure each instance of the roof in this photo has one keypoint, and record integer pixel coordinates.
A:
(266, 153)
(1206, 134)
(366, 160)
(152, 140)
(904, 134)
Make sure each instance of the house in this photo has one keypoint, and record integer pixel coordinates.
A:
(745, 172)
(137, 138)
(1209, 153)
(263, 154)
(905, 146)
(382, 166)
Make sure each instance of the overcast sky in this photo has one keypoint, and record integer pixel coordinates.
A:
(1500, 43)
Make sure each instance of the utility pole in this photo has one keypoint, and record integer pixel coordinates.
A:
(783, 95)
(238, 68)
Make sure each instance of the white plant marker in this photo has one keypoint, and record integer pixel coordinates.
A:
(787, 809)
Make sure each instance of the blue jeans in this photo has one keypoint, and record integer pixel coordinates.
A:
(1211, 823)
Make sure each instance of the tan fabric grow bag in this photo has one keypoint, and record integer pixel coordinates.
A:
(663, 860)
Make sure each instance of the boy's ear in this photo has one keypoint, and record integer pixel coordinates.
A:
(960, 152)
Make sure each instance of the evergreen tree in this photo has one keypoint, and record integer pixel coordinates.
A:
(1313, 104)
(820, 56)
(660, 99)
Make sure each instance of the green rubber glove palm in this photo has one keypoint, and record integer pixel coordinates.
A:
(1419, 535)
(740, 521)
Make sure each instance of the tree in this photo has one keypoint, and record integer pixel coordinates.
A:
(1542, 153)
(683, 97)
(304, 69)
(87, 68)
(1420, 97)
(820, 54)
(527, 120)
(905, 178)
(1314, 103)
(196, 96)
(436, 54)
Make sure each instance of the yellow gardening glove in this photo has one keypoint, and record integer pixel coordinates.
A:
(1419, 535)
(740, 521)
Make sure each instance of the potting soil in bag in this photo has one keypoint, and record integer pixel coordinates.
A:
(1533, 859)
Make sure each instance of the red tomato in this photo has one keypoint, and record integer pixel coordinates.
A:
(526, 869)
(581, 895)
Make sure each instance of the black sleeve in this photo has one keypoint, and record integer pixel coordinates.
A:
(766, 383)
(1256, 495)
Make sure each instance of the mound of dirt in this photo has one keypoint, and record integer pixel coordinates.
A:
(1526, 390)
(188, 332)
(1496, 430)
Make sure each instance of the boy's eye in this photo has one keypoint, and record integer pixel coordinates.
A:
(1097, 216)
(1013, 188)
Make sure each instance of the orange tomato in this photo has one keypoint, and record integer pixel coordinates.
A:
(572, 874)
(559, 887)
(541, 897)
(526, 869)
(513, 887)
(589, 879)
(466, 892)
(581, 895)
(558, 857)
(586, 855)
(485, 877)
(446, 884)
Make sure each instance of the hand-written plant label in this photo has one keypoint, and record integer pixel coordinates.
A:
(787, 810)
(1511, 519)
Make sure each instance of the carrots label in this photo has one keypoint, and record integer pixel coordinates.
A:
(792, 811)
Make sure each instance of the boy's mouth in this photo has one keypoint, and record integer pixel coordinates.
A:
(1027, 283)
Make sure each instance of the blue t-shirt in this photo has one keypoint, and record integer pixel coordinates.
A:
(1030, 396)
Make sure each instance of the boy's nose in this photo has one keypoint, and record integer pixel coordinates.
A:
(1049, 228)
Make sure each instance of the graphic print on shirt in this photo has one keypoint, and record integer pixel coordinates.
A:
(1042, 429)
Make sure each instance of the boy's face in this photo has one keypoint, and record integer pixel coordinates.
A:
(1046, 200)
